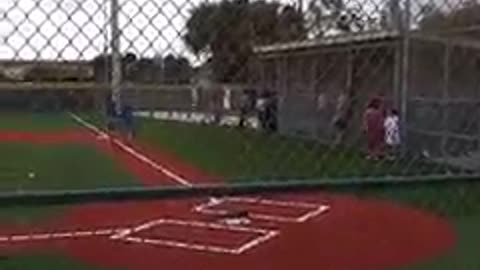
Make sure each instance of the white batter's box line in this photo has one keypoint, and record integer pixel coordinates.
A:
(281, 203)
(315, 210)
(59, 235)
(263, 236)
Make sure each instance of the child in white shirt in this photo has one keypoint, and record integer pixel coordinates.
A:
(392, 132)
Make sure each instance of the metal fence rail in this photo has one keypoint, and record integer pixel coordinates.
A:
(78, 197)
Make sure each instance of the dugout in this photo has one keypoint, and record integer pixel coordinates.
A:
(432, 80)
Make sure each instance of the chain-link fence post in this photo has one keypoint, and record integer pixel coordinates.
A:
(116, 80)
(445, 97)
(404, 96)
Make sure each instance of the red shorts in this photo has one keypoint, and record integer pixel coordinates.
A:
(375, 140)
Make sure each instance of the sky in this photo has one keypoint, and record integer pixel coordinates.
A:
(78, 29)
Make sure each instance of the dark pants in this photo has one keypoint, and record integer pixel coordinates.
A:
(129, 127)
(121, 125)
(271, 120)
(262, 118)
(113, 123)
(243, 117)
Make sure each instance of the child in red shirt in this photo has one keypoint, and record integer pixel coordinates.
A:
(373, 124)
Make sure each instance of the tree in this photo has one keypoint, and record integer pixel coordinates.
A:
(171, 69)
(335, 16)
(392, 16)
(432, 17)
(455, 21)
(228, 30)
(322, 16)
(102, 68)
(102, 65)
(177, 69)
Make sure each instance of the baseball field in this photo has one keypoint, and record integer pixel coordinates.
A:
(355, 228)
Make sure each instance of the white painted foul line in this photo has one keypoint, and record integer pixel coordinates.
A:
(101, 134)
(35, 237)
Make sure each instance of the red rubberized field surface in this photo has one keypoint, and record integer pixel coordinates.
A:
(306, 231)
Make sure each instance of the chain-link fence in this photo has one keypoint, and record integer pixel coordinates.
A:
(299, 74)
(445, 103)
(229, 133)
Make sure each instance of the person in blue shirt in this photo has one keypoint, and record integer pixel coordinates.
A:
(128, 121)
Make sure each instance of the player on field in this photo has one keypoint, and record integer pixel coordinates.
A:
(128, 121)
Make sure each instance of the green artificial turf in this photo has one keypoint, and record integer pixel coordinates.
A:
(65, 166)
(31, 122)
(251, 156)
(55, 167)
(465, 254)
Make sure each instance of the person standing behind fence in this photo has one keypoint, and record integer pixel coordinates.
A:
(271, 110)
(110, 113)
(373, 125)
(340, 119)
(243, 109)
(261, 108)
(392, 133)
(216, 104)
(247, 106)
(128, 121)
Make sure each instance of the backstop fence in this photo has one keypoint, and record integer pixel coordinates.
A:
(433, 83)
(302, 72)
